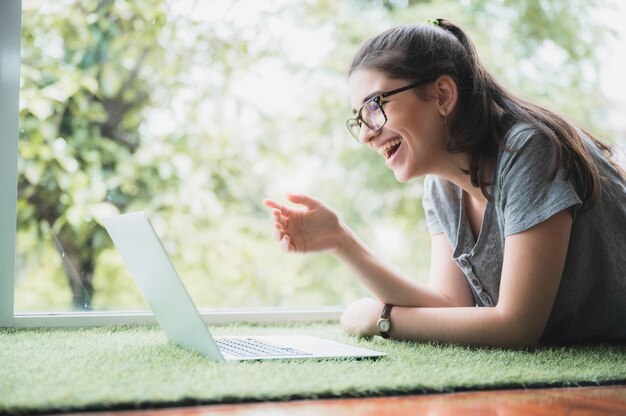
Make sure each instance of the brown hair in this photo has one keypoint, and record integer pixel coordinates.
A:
(485, 110)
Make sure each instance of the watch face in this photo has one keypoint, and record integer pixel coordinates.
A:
(384, 325)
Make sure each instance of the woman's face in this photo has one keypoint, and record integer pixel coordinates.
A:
(414, 139)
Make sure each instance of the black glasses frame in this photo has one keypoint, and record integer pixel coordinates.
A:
(377, 99)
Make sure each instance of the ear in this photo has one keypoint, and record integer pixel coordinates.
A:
(446, 93)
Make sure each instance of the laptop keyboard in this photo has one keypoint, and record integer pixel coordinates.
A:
(252, 347)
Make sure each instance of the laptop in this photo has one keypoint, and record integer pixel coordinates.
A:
(174, 310)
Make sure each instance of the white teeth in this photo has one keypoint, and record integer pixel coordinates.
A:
(391, 143)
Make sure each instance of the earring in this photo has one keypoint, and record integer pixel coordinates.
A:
(445, 119)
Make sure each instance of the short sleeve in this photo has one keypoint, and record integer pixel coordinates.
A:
(432, 220)
(528, 192)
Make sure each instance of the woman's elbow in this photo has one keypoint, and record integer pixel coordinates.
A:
(520, 333)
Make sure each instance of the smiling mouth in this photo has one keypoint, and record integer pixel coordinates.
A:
(390, 148)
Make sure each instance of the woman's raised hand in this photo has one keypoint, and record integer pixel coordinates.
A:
(308, 228)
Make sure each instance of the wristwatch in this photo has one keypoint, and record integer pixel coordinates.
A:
(384, 323)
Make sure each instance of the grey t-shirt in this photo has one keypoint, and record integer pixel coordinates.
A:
(591, 300)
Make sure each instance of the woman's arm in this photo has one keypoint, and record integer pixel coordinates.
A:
(315, 227)
(448, 287)
(532, 269)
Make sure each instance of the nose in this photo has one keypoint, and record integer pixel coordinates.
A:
(366, 134)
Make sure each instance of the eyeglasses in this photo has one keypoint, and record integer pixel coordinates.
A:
(372, 114)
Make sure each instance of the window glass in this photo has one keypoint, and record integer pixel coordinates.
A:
(194, 111)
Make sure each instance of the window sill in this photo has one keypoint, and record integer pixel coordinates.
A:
(210, 316)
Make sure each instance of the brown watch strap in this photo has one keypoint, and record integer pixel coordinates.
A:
(386, 312)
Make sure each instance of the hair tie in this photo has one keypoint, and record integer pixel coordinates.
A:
(432, 21)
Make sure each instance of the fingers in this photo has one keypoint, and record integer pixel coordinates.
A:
(285, 244)
(305, 200)
(279, 218)
(271, 204)
(279, 228)
(277, 209)
(284, 241)
(281, 223)
(277, 233)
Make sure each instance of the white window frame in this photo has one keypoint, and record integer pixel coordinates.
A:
(10, 36)
(10, 52)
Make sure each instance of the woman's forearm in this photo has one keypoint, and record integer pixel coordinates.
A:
(464, 326)
(470, 326)
(387, 284)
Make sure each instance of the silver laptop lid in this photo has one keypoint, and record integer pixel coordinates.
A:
(151, 268)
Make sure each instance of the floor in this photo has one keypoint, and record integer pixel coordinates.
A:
(578, 401)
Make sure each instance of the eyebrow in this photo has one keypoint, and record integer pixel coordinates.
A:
(371, 95)
(367, 98)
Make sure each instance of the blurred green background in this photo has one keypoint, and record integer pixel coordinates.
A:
(194, 111)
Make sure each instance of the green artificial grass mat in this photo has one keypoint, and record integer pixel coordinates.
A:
(54, 370)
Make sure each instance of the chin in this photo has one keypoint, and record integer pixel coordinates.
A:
(404, 176)
(401, 177)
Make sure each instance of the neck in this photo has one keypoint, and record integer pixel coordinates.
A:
(454, 172)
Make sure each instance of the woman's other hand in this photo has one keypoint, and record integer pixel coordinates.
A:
(308, 228)
(360, 317)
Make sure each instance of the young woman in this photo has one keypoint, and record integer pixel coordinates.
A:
(527, 213)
